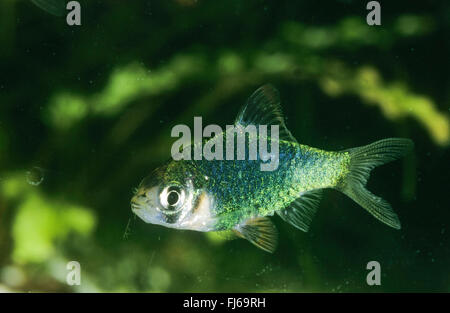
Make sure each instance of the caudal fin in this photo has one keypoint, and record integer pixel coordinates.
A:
(362, 161)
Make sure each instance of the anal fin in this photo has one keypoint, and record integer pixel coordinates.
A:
(301, 212)
(260, 231)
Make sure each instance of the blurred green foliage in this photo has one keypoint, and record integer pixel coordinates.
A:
(92, 107)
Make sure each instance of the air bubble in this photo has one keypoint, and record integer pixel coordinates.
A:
(35, 176)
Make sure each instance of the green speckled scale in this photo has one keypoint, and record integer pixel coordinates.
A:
(243, 191)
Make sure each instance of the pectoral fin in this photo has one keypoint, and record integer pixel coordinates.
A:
(259, 231)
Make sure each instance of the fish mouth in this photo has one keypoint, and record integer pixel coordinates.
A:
(141, 209)
(138, 210)
(135, 206)
(138, 202)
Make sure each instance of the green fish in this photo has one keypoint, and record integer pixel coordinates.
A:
(236, 196)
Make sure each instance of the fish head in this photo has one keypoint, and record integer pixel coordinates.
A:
(172, 197)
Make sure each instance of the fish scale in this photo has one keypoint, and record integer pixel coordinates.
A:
(260, 193)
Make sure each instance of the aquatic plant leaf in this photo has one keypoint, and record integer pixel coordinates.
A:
(395, 100)
(301, 212)
(263, 108)
(41, 222)
(259, 231)
(55, 7)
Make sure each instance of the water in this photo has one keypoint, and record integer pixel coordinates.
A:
(35, 176)
(86, 112)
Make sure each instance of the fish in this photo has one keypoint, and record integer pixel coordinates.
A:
(236, 197)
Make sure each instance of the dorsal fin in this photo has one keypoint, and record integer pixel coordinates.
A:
(301, 212)
(260, 231)
(263, 108)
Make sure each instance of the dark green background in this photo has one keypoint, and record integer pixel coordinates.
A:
(89, 110)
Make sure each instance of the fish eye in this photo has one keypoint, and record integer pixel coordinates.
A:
(172, 198)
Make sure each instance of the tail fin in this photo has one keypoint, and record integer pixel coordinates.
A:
(362, 161)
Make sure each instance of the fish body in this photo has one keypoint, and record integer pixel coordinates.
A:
(236, 195)
(241, 190)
